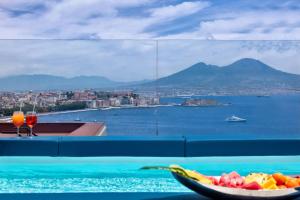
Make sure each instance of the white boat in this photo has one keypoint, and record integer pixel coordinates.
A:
(77, 119)
(234, 118)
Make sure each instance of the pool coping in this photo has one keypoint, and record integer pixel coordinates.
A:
(140, 146)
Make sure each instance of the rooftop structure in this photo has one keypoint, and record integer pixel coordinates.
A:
(56, 129)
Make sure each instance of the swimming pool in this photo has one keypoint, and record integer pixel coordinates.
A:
(122, 174)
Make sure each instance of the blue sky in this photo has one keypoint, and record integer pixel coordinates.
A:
(202, 19)
(176, 23)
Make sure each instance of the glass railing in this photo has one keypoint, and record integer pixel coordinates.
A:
(206, 88)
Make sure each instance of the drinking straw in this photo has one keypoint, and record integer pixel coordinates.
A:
(21, 104)
(35, 102)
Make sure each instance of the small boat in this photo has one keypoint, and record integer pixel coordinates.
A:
(234, 118)
(77, 119)
(106, 108)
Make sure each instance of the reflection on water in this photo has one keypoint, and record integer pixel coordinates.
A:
(122, 174)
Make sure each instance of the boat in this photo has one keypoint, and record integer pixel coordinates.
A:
(234, 118)
(77, 119)
(107, 108)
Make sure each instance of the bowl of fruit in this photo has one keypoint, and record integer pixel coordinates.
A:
(234, 186)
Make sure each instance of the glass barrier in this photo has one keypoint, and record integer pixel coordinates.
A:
(81, 81)
(205, 88)
(229, 89)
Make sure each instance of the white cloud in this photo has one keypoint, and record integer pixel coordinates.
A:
(104, 19)
(250, 25)
(22, 4)
(174, 11)
(115, 59)
(89, 19)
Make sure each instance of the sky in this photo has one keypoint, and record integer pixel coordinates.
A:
(211, 31)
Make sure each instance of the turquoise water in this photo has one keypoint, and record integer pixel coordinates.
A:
(122, 174)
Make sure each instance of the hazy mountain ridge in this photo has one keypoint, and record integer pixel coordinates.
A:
(49, 82)
(244, 73)
(241, 75)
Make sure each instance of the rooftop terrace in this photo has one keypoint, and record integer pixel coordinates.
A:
(56, 129)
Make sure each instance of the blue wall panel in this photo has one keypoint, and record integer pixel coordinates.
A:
(122, 146)
(144, 146)
(36, 146)
(197, 147)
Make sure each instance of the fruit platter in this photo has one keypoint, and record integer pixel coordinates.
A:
(234, 186)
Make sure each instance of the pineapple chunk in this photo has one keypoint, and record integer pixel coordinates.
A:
(199, 177)
(270, 184)
(256, 177)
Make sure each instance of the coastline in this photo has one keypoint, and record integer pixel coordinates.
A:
(146, 106)
(106, 108)
(66, 111)
(8, 119)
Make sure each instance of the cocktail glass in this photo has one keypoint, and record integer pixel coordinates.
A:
(18, 120)
(31, 120)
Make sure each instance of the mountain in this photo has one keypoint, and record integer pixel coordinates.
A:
(49, 82)
(244, 74)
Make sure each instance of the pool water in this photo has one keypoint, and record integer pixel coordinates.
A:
(122, 174)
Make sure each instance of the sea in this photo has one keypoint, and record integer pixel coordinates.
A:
(268, 117)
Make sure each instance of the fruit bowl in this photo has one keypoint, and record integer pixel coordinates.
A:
(219, 192)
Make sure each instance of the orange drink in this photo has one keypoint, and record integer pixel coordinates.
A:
(18, 120)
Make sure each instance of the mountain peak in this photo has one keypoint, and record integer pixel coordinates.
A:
(249, 64)
(237, 77)
(249, 61)
(202, 66)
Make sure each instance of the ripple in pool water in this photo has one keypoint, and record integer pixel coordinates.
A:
(90, 185)
(116, 174)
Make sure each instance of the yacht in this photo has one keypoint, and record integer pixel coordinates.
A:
(77, 119)
(234, 118)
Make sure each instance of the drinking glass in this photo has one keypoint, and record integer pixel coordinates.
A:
(31, 120)
(18, 120)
